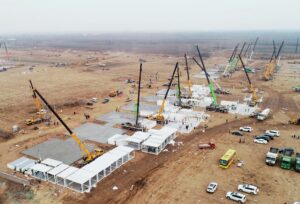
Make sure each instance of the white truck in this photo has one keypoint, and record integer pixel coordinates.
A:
(272, 156)
(264, 114)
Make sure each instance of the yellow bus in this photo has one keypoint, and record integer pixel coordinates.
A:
(227, 159)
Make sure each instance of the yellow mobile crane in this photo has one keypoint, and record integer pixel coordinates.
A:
(269, 71)
(90, 156)
(251, 88)
(159, 116)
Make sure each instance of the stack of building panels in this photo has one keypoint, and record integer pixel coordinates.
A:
(22, 164)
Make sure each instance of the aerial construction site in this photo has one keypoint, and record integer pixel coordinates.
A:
(195, 117)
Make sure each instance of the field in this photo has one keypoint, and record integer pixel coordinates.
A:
(179, 175)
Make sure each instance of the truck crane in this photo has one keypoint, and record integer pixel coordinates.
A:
(188, 77)
(249, 58)
(137, 126)
(40, 111)
(159, 116)
(269, 71)
(5, 47)
(214, 106)
(180, 102)
(251, 86)
(239, 63)
(232, 62)
(90, 156)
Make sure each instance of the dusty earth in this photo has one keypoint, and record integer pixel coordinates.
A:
(179, 175)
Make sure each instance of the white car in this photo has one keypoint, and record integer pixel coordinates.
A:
(274, 133)
(260, 141)
(247, 188)
(241, 198)
(246, 129)
(212, 187)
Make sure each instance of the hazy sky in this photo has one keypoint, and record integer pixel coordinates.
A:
(41, 16)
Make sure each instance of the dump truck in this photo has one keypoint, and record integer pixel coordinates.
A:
(272, 156)
(264, 114)
(286, 159)
(297, 162)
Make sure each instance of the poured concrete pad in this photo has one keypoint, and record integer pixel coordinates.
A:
(66, 151)
(96, 133)
(113, 118)
(153, 99)
(143, 106)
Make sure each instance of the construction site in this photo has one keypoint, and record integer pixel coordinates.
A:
(140, 118)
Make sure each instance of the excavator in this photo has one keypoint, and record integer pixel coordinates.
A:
(269, 71)
(90, 156)
(137, 126)
(159, 116)
(294, 120)
(40, 111)
(214, 106)
(252, 90)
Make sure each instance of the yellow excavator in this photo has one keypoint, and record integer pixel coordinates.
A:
(90, 156)
(254, 98)
(159, 116)
(294, 120)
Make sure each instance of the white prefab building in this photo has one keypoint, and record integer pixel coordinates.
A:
(52, 174)
(51, 162)
(136, 140)
(81, 180)
(22, 164)
(158, 140)
(110, 161)
(118, 140)
(39, 171)
(61, 177)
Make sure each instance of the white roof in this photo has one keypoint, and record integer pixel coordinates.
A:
(124, 149)
(141, 135)
(58, 169)
(51, 162)
(164, 132)
(102, 162)
(134, 139)
(20, 163)
(81, 176)
(41, 168)
(67, 172)
(152, 143)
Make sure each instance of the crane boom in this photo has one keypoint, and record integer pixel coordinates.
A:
(159, 116)
(188, 75)
(35, 99)
(138, 99)
(178, 86)
(90, 156)
(252, 90)
(207, 78)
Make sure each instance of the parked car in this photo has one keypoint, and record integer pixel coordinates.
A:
(274, 133)
(247, 188)
(270, 136)
(264, 137)
(239, 197)
(282, 150)
(246, 129)
(212, 187)
(237, 133)
(260, 141)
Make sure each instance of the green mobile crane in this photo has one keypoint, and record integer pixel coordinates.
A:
(214, 106)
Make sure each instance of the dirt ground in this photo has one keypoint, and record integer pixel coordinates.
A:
(179, 175)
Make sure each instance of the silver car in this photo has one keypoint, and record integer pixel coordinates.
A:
(212, 187)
